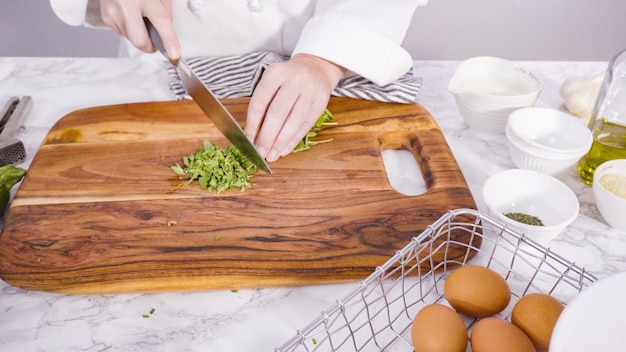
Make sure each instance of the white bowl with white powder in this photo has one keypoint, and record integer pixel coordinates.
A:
(609, 191)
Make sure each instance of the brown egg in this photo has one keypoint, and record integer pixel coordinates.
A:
(477, 291)
(536, 315)
(438, 328)
(494, 334)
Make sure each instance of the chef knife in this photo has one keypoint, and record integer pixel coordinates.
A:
(211, 106)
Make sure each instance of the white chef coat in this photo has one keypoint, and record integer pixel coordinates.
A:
(364, 36)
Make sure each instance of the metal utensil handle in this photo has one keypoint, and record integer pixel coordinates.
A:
(13, 113)
(7, 111)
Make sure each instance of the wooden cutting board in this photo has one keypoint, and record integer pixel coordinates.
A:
(100, 210)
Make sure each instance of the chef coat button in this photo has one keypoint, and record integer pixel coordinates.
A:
(255, 5)
(195, 6)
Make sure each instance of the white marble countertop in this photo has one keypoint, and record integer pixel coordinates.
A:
(245, 320)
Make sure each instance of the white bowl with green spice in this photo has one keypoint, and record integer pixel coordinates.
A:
(530, 202)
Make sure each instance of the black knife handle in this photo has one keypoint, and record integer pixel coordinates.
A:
(156, 40)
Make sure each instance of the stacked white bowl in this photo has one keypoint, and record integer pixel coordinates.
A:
(487, 89)
(546, 140)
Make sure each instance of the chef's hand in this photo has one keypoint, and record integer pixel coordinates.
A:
(287, 101)
(126, 18)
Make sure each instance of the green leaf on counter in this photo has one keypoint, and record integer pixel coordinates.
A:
(9, 177)
(146, 316)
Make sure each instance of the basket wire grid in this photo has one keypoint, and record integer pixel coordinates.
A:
(378, 313)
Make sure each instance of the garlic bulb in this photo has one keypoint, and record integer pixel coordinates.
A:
(579, 94)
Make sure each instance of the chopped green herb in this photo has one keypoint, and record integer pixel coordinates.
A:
(306, 143)
(217, 238)
(234, 291)
(314, 341)
(525, 218)
(216, 169)
(145, 316)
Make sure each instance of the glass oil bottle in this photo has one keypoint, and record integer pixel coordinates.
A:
(608, 120)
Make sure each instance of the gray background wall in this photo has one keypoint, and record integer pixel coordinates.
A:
(444, 29)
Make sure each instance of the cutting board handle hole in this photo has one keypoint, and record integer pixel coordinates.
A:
(403, 172)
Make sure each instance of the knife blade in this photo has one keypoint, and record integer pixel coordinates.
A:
(210, 105)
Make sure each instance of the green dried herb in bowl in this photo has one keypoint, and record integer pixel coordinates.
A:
(525, 218)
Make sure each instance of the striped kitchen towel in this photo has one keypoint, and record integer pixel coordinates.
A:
(236, 76)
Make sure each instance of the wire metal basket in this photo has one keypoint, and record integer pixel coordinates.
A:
(377, 314)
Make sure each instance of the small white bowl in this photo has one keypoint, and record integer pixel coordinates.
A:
(594, 320)
(546, 140)
(532, 193)
(487, 89)
(549, 132)
(549, 166)
(612, 207)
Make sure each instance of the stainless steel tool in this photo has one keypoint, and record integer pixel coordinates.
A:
(211, 106)
(12, 115)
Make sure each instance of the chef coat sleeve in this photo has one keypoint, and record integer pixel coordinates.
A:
(78, 12)
(363, 36)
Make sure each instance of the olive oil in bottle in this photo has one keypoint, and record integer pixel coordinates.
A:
(608, 120)
(609, 144)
